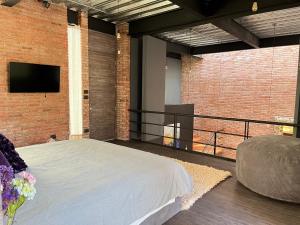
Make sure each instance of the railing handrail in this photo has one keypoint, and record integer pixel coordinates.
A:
(218, 118)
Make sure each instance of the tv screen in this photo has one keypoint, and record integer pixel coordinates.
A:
(30, 78)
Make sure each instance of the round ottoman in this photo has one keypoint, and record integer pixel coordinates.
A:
(270, 165)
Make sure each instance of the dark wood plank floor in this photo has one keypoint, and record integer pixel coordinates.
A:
(229, 203)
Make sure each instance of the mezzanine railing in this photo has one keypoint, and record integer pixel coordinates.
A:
(141, 132)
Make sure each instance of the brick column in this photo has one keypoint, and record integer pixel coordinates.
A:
(122, 82)
(85, 72)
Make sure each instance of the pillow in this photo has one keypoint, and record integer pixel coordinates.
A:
(8, 150)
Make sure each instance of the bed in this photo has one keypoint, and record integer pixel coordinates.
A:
(89, 182)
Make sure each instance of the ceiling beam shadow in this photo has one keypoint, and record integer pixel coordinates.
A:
(238, 46)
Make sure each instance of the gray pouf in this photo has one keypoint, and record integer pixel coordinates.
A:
(270, 165)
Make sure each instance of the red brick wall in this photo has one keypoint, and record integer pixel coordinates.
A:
(33, 34)
(123, 83)
(241, 84)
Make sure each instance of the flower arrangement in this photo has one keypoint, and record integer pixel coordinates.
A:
(15, 191)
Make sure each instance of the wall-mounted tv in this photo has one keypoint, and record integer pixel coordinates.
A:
(33, 78)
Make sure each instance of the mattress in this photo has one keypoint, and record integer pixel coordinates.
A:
(89, 182)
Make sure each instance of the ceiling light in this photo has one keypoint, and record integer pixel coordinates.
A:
(254, 6)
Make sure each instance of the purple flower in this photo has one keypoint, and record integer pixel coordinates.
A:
(6, 174)
(9, 194)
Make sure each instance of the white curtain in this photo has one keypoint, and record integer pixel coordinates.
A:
(75, 80)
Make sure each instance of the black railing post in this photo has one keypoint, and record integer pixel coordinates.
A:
(245, 130)
(175, 131)
(139, 124)
(248, 127)
(215, 142)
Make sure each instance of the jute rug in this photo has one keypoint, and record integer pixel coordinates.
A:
(205, 178)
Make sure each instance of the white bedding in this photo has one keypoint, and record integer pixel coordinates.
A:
(89, 182)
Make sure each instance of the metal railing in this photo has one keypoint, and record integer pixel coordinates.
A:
(215, 133)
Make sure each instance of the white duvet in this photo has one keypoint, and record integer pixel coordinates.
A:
(89, 182)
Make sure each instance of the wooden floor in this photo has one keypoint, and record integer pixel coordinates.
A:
(229, 203)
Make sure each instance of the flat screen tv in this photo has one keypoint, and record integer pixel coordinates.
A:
(33, 78)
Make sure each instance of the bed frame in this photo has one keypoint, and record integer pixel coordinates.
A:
(164, 214)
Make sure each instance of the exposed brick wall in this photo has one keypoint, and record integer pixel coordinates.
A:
(123, 83)
(85, 69)
(241, 84)
(33, 34)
